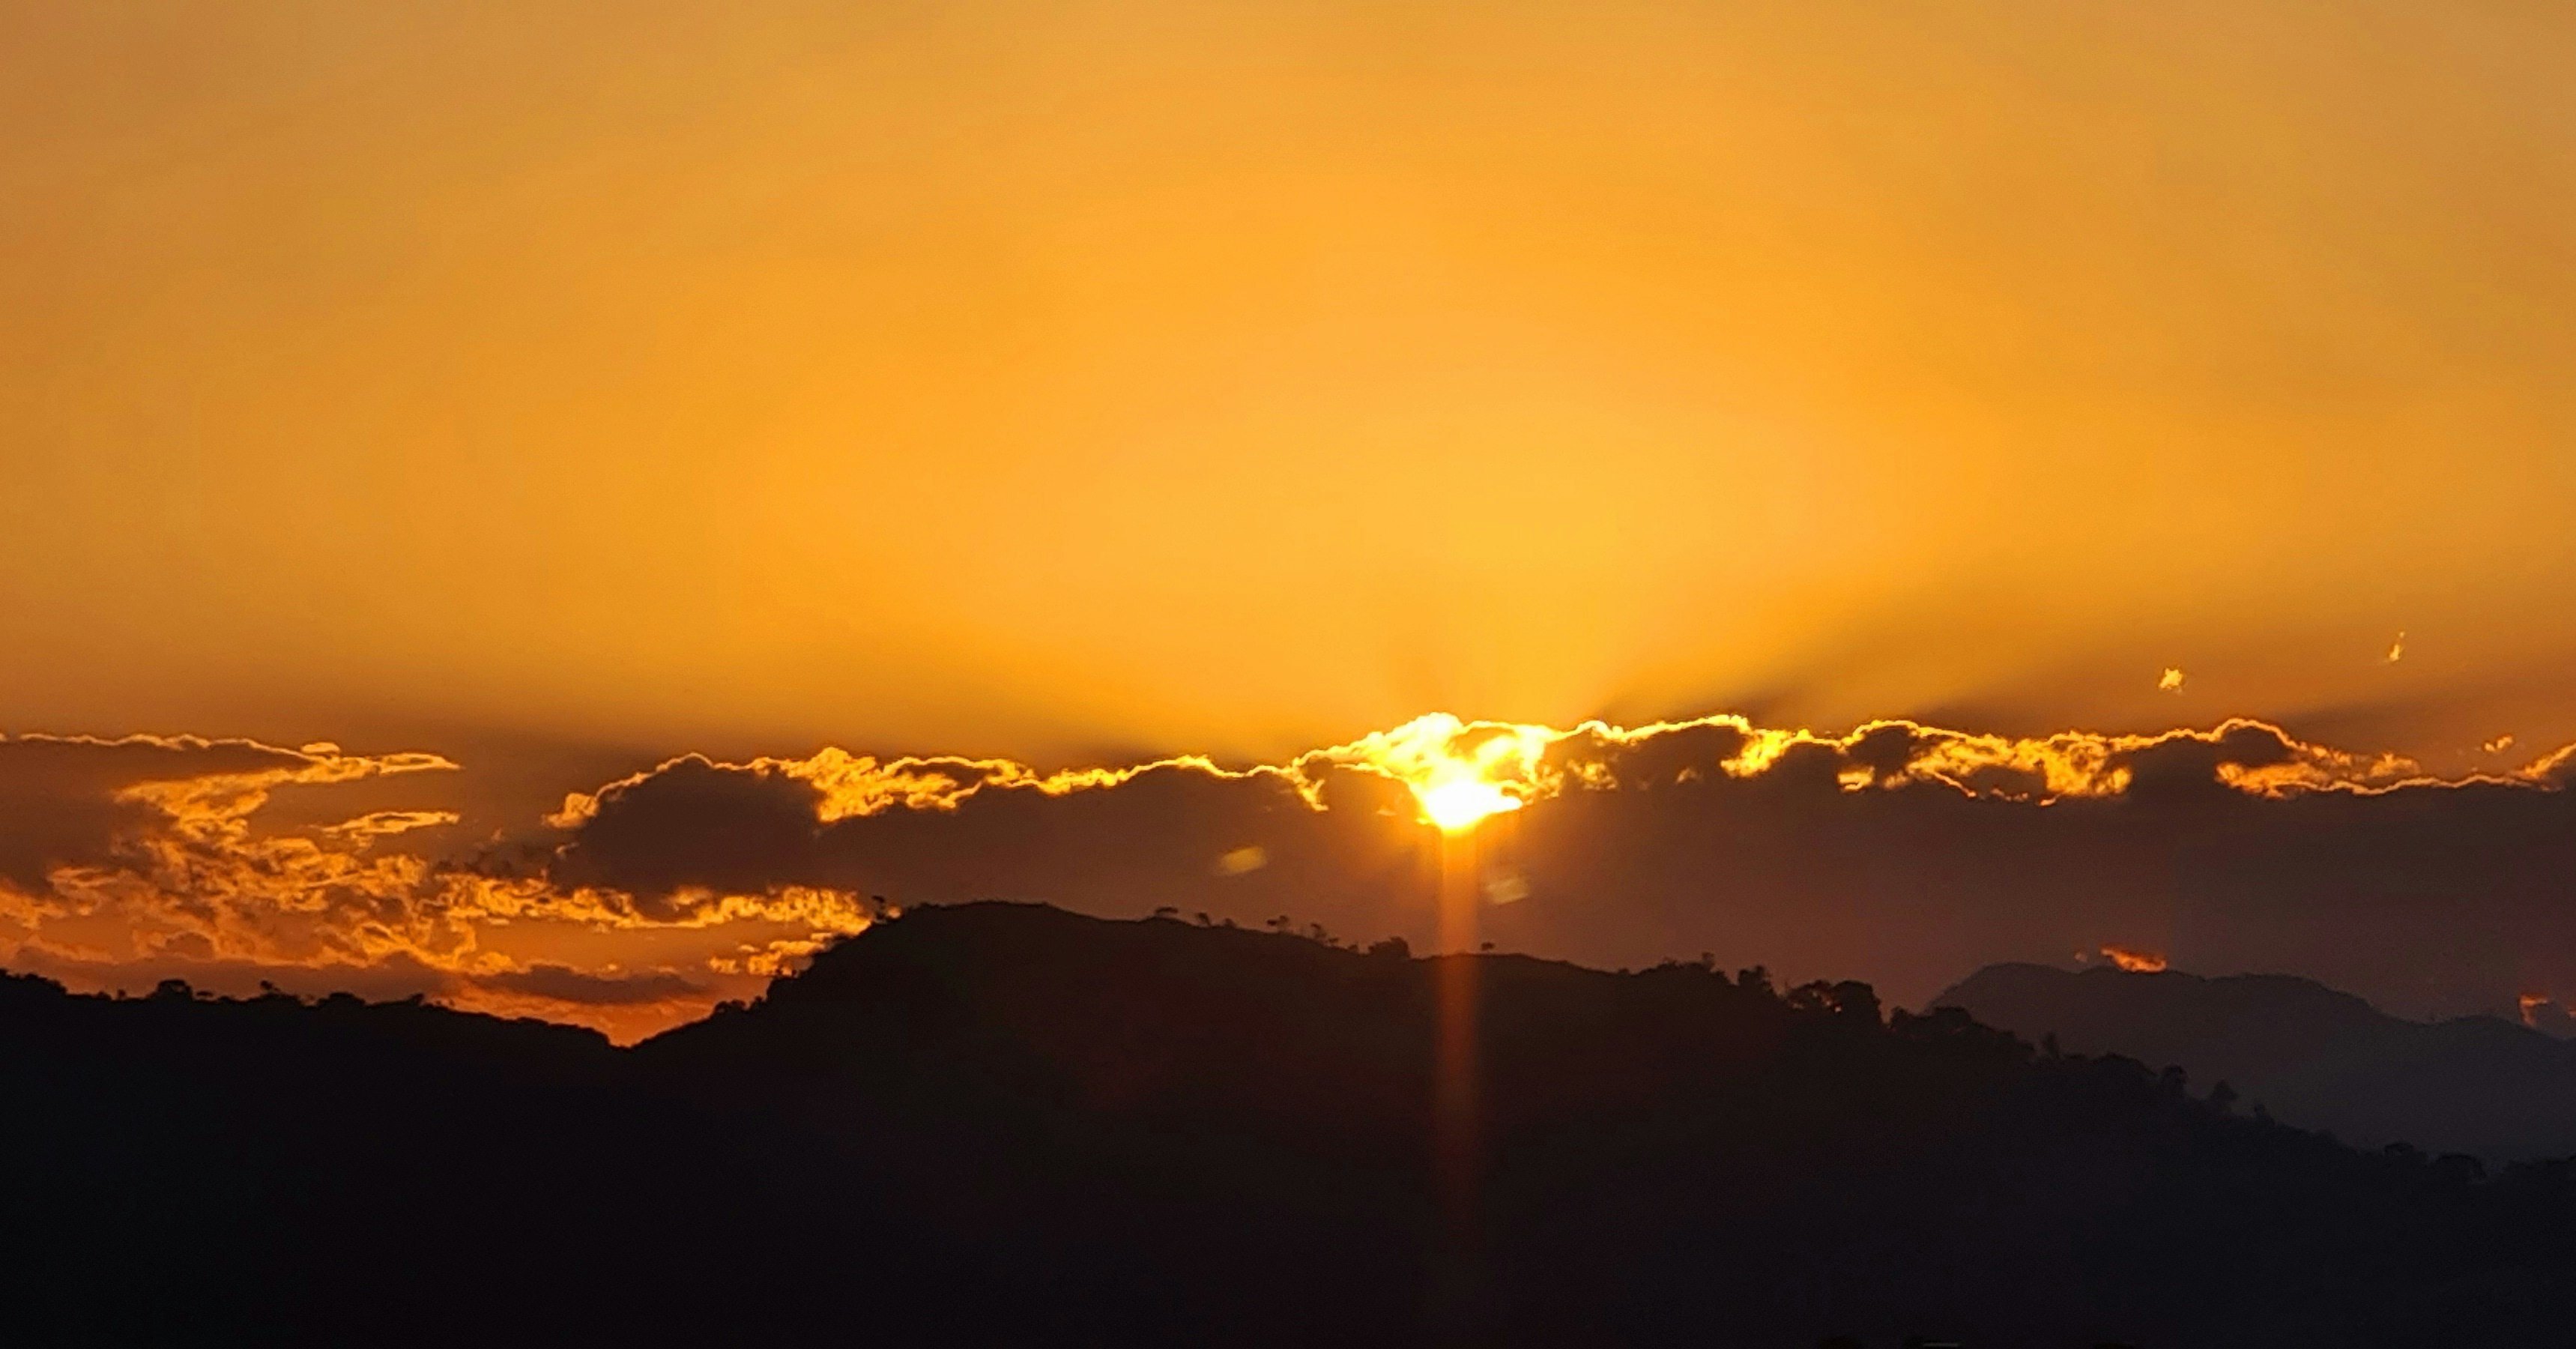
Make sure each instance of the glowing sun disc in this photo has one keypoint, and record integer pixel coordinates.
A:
(1458, 804)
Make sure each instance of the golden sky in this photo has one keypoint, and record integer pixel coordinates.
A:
(1040, 379)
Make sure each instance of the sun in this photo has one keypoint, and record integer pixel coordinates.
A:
(1461, 773)
(1460, 803)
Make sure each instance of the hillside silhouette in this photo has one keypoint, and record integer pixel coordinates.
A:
(1007, 1123)
(2310, 1055)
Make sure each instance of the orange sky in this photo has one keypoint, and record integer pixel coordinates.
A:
(1052, 380)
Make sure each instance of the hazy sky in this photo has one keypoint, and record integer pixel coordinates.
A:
(1041, 379)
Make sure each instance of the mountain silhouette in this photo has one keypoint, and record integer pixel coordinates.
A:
(1010, 1124)
(2310, 1055)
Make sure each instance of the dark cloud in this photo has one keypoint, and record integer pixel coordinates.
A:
(693, 825)
(2185, 768)
(1885, 750)
(1644, 763)
(1904, 855)
(1901, 854)
(561, 983)
(60, 795)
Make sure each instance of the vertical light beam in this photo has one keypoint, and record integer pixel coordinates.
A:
(1456, 1159)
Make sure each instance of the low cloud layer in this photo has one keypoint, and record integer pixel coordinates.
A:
(1899, 853)
(124, 862)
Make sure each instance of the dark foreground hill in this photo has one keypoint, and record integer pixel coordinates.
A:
(1008, 1124)
(2310, 1055)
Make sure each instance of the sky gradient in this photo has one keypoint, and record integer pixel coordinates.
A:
(1058, 380)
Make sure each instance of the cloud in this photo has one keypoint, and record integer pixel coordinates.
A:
(2135, 962)
(123, 862)
(561, 983)
(1898, 852)
(70, 800)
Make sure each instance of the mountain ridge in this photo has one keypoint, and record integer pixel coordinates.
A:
(2311, 1055)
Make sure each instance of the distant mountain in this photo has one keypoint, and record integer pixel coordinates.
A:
(1008, 1124)
(2309, 1055)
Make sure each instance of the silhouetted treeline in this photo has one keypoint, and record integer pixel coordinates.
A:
(999, 1123)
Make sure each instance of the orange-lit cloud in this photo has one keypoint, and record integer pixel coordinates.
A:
(2542, 1012)
(1632, 843)
(649, 898)
(135, 859)
(2133, 961)
(1461, 772)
